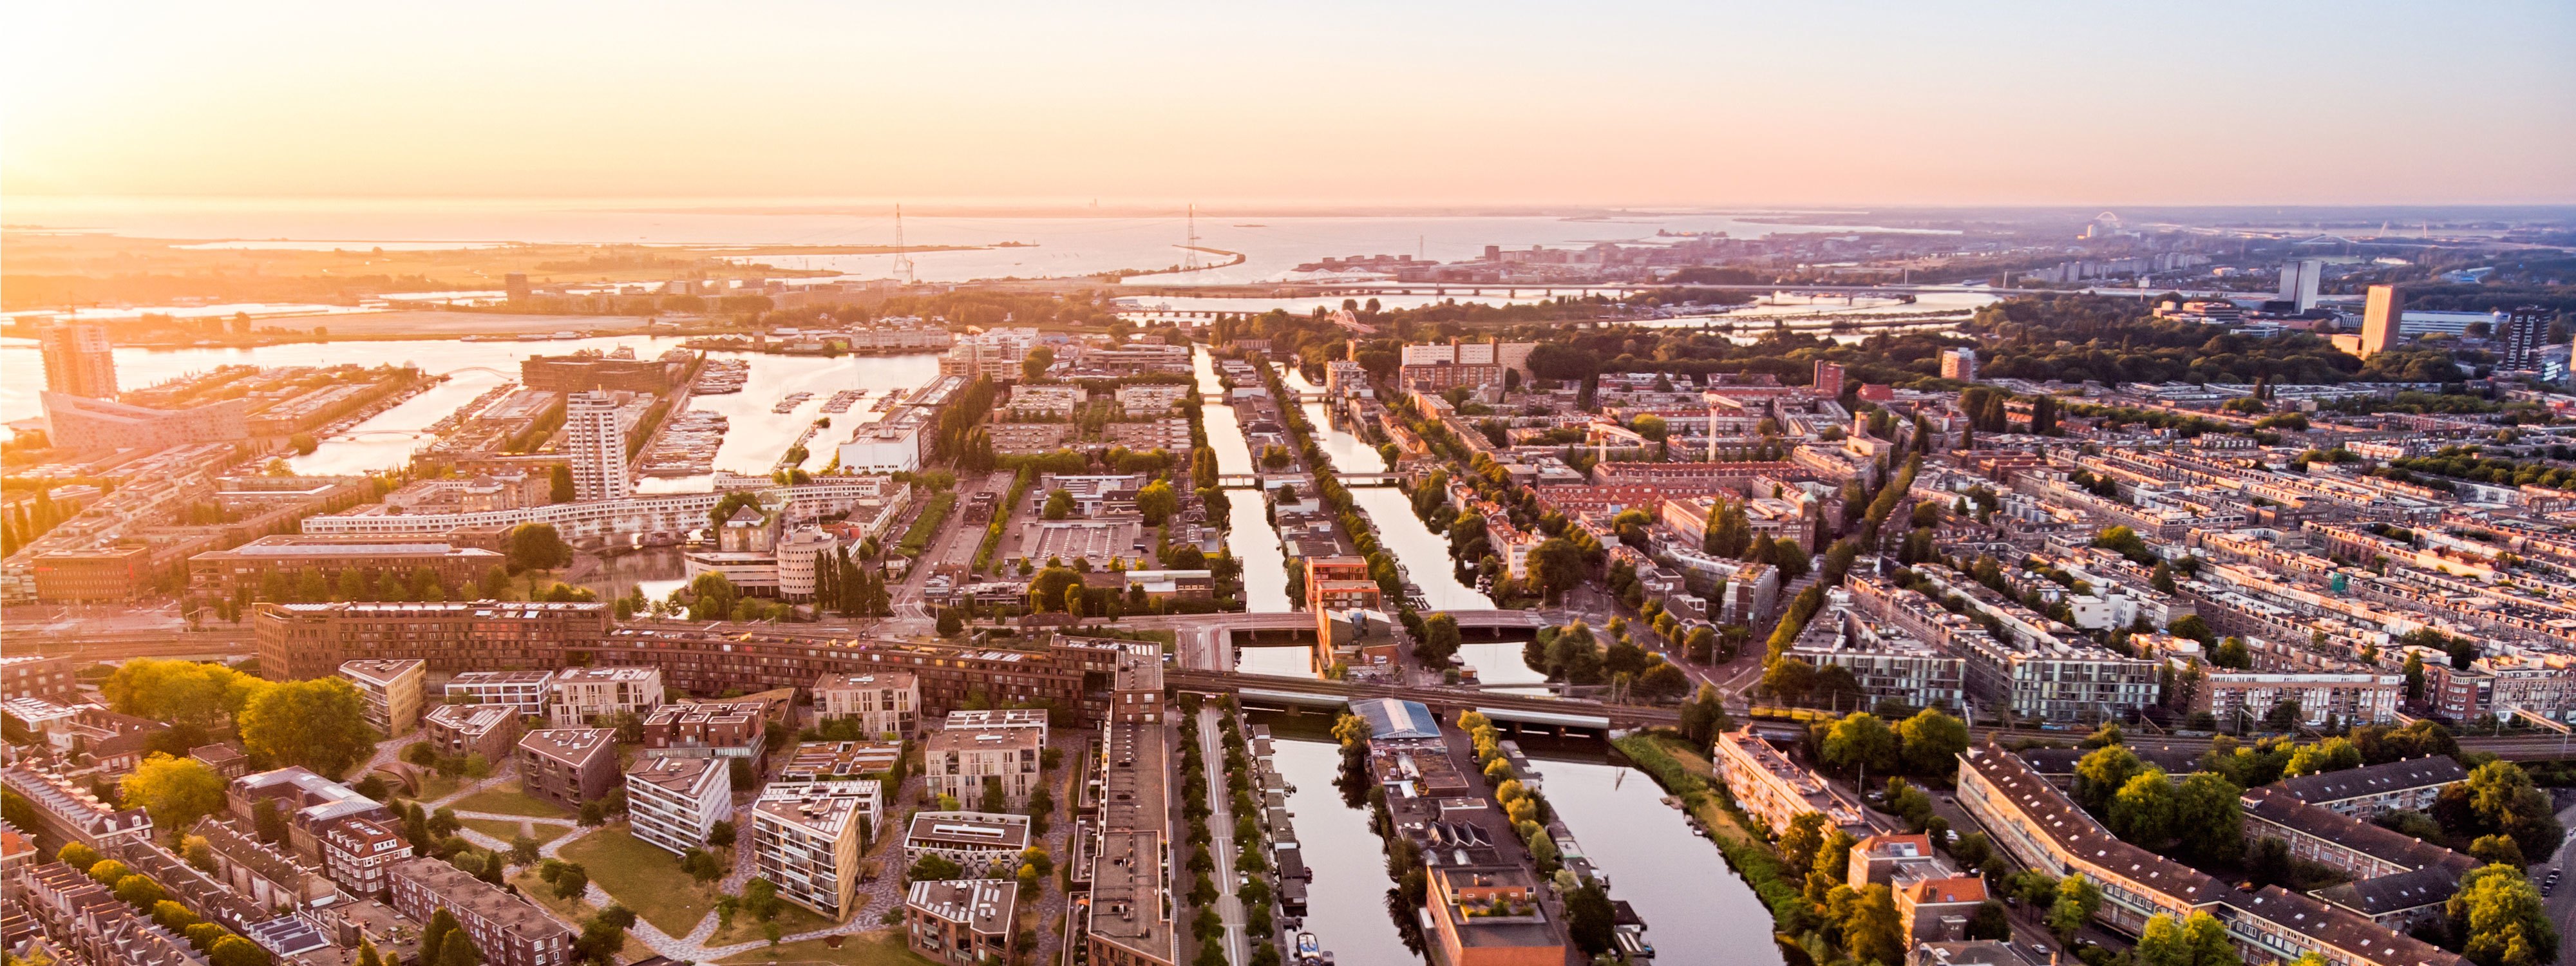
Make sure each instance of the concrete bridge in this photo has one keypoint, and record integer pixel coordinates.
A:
(1527, 711)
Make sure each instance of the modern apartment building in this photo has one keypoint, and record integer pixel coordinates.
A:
(568, 766)
(507, 929)
(299, 641)
(270, 562)
(823, 761)
(1883, 660)
(1136, 692)
(1959, 363)
(1130, 920)
(977, 841)
(675, 802)
(2359, 697)
(585, 696)
(1774, 789)
(523, 692)
(709, 730)
(78, 359)
(962, 761)
(806, 837)
(392, 691)
(962, 923)
(596, 439)
(489, 730)
(885, 702)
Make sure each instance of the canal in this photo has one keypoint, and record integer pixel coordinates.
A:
(1249, 536)
(1696, 909)
(1346, 899)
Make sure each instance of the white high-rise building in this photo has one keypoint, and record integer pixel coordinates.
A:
(2299, 282)
(598, 446)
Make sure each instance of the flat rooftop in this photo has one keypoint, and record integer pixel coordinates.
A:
(980, 830)
(572, 746)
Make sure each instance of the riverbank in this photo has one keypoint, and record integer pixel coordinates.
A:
(1693, 779)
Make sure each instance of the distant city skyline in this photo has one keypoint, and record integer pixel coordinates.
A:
(1648, 105)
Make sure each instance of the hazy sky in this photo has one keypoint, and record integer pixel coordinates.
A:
(1555, 103)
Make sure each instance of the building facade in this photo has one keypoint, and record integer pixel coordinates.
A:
(675, 802)
(568, 766)
(508, 930)
(807, 837)
(596, 439)
(589, 695)
(962, 923)
(884, 702)
(391, 690)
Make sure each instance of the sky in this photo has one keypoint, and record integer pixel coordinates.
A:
(1495, 103)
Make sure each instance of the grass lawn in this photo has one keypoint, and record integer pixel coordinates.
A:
(506, 831)
(508, 800)
(648, 880)
(792, 919)
(883, 947)
(575, 910)
(434, 786)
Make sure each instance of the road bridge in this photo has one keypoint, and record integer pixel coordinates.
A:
(1555, 714)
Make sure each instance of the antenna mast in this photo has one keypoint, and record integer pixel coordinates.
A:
(902, 255)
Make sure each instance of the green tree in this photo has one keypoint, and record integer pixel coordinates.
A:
(2499, 916)
(2209, 814)
(1590, 920)
(1798, 842)
(1861, 741)
(2102, 773)
(1033, 366)
(2142, 811)
(536, 546)
(319, 723)
(1873, 934)
(1933, 742)
(1059, 504)
(176, 791)
(2077, 899)
(559, 484)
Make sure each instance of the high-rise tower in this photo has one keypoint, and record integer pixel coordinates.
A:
(2381, 316)
(598, 446)
(78, 360)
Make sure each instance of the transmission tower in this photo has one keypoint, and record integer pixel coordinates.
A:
(1190, 261)
(902, 255)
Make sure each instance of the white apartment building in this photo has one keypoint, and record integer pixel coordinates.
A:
(800, 554)
(885, 702)
(391, 690)
(526, 691)
(1774, 789)
(596, 440)
(674, 802)
(806, 837)
(584, 696)
(958, 762)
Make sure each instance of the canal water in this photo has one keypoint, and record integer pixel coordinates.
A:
(1346, 899)
(1249, 535)
(1696, 909)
